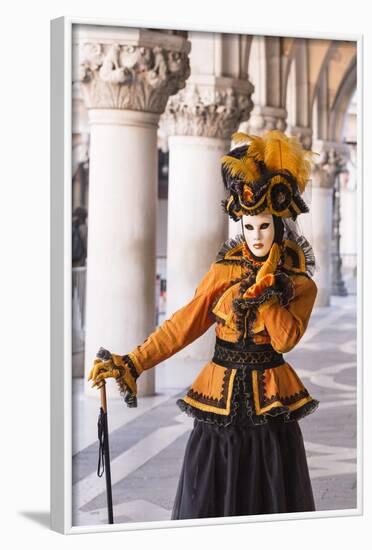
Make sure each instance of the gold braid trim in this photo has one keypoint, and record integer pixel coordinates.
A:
(211, 408)
(260, 410)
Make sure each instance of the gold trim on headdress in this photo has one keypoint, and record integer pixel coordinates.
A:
(268, 175)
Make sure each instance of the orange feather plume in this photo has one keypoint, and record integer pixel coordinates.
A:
(245, 167)
(278, 152)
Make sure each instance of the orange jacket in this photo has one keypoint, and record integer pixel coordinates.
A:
(275, 390)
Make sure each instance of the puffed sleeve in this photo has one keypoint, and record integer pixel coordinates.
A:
(185, 325)
(286, 325)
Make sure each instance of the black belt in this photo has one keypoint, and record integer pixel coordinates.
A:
(252, 356)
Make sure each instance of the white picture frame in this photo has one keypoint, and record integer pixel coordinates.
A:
(61, 312)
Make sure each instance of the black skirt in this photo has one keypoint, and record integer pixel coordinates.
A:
(243, 470)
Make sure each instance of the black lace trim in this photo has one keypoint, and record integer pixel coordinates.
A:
(283, 413)
(255, 357)
(242, 408)
(125, 392)
(309, 254)
(229, 245)
(211, 417)
(214, 401)
(283, 287)
(308, 251)
(287, 400)
(248, 278)
(208, 417)
(218, 296)
(132, 368)
(245, 309)
(249, 262)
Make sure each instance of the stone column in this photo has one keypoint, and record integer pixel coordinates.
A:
(268, 113)
(265, 118)
(304, 135)
(349, 213)
(265, 70)
(325, 226)
(321, 212)
(338, 165)
(127, 76)
(199, 121)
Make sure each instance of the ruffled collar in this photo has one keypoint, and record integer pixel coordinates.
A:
(253, 263)
(247, 253)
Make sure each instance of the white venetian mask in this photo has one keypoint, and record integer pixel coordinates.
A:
(259, 233)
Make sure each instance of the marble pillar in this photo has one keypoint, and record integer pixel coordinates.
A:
(199, 122)
(305, 221)
(265, 70)
(127, 76)
(322, 235)
(325, 219)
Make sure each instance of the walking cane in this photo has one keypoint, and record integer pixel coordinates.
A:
(103, 438)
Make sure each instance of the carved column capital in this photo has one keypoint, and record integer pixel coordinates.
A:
(213, 107)
(130, 69)
(303, 134)
(325, 146)
(264, 118)
(330, 163)
(320, 177)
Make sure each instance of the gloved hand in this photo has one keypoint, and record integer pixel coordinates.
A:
(104, 369)
(257, 289)
(110, 365)
(271, 263)
(273, 287)
(265, 277)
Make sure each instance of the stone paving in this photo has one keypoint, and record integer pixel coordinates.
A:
(147, 443)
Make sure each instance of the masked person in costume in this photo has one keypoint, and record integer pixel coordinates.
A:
(245, 454)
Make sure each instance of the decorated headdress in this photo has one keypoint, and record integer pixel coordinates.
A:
(267, 174)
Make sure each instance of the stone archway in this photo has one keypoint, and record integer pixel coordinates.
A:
(342, 101)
